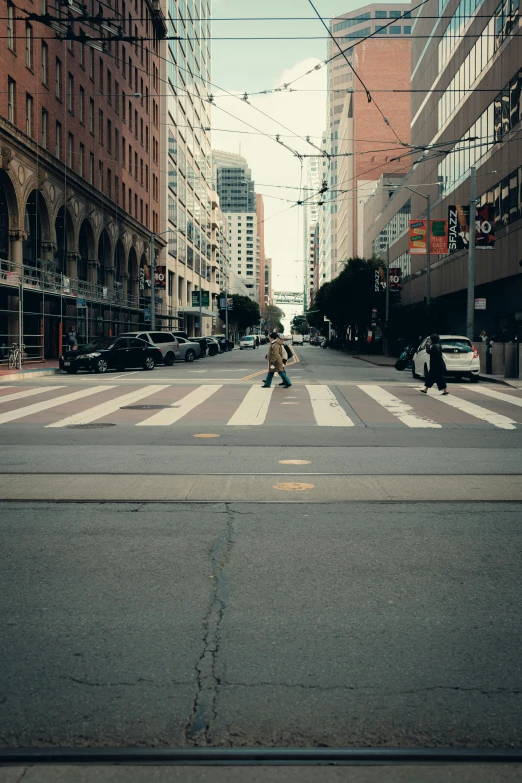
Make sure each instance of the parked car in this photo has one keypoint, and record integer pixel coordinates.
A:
(297, 339)
(460, 357)
(213, 346)
(306, 338)
(189, 350)
(164, 341)
(111, 353)
(227, 345)
(202, 341)
(247, 342)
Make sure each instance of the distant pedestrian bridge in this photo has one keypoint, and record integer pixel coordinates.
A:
(288, 297)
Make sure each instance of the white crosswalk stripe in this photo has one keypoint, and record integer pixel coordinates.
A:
(496, 395)
(105, 408)
(327, 411)
(503, 422)
(28, 393)
(54, 403)
(398, 408)
(180, 408)
(254, 407)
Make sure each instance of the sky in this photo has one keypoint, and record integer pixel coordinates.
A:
(251, 66)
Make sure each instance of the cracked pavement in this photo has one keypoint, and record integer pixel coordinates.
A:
(228, 624)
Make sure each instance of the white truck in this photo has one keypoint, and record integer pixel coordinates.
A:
(297, 339)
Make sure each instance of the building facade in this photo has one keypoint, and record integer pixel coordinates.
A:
(466, 84)
(358, 136)
(79, 172)
(312, 179)
(191, 259)
(238, 200)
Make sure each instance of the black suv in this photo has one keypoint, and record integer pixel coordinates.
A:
(201, 340)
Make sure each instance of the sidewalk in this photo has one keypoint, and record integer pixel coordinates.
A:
(30, 370)
(377, 359)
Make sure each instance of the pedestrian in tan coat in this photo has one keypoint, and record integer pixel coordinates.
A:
(275, 356)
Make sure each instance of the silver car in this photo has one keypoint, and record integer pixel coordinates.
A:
(164, 341)
(188, 350)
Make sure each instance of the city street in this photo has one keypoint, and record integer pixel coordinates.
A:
(189, 559)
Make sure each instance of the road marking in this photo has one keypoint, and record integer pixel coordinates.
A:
(503, 422)
(398, 408)
(327, 411)
(294, 462)
(206, 435)
(91, 414)
(180, 408)
(124, 375)
(29, 393)
(289, 403)
(42, 406)
(254, 407)
(293, 486)
(495, 394)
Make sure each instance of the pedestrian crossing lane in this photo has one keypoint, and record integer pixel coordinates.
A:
(398, 408)
(27, 393)
(37, 407)
(496, 419)
(253, 409)
(326, 408)
(105, 408)
(180, 408)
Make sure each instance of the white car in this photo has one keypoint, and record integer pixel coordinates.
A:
(247, 342)
(460, 357)
(297, 339)
(306, 338)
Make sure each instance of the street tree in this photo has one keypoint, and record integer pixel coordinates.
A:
(272, 317)
(244, 314)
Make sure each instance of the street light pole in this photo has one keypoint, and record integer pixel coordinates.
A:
(387, 287)
(470, 310)
(428, 252)
(152, 285)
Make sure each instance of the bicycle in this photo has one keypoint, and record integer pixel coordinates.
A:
(14, 356)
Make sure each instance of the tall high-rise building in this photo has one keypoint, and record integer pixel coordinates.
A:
(356, 128)
(79, 177)
(186, 185)
(268, 287)
(260, 259)
(236, 191)
(466, 83)
(312, 180)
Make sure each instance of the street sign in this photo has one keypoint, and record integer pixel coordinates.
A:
(480, 304)
(81, 302)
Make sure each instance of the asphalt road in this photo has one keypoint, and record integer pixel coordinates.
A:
(384, 623)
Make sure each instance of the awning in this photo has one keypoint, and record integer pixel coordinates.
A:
(195, 311)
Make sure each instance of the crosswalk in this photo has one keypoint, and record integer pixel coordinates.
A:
(320, 405)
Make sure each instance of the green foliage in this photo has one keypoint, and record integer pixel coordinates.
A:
(273, 315)
(350, 297)
(245, 312)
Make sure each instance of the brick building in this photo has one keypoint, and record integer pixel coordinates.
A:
(79, 171)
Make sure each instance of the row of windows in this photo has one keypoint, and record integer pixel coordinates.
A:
(393, 229)
(346, 23)
(453, 32)
(506, 197)
(501, 116)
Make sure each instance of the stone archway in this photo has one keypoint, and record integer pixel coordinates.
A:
(86, 250)
(37, 229)
(104, 259)
(64, 230)
(121, 273)
(133, 290)
(10, 231)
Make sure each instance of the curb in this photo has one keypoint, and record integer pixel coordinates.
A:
(502, 381)
(20, 376)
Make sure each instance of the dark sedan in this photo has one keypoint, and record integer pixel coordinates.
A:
(111, 353)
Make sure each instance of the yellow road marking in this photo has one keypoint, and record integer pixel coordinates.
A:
(206, 435)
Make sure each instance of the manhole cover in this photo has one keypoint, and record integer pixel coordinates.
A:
(144, 407)
(89, 426)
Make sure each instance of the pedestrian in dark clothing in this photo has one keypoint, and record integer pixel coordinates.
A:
(72, 338)
(437, 366)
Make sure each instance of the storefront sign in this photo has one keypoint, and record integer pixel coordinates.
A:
(417, 237)
(13, 278)
(485, 232)
(81, 302)
(205, 299)
(459, 228)
(160, 277)
(439, 237)
(377, 281)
